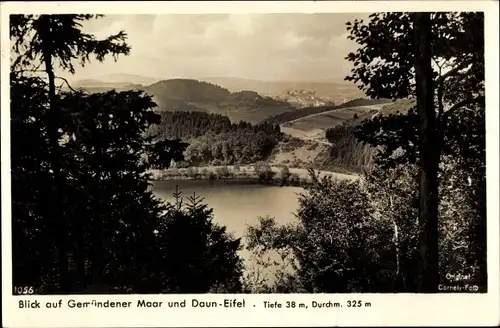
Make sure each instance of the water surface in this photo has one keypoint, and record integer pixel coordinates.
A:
(235, 204)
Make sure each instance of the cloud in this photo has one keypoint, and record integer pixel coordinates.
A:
(260, 46)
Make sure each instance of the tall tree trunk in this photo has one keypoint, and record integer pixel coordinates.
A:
(428, 277)
(397, 278)
(97, 250)
(60, 220)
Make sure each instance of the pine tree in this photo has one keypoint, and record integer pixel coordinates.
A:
(82, 202)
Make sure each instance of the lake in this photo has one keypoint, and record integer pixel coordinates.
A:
(237, 204)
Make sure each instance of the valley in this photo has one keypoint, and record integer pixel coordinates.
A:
(313, 127)
(215, 106)
(163, 178)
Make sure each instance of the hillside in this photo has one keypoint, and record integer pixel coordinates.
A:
(338, 92)
(97, 86)
(190, 91)
(307, 111)
(305, 124)
(346, 151)
(399, 106)
(313, 126)
(200, 96)
(117, 78)
(302, 99)
(196, 95)
(328, 136)
(331, 91)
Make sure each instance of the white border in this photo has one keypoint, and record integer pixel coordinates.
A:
(397, 309)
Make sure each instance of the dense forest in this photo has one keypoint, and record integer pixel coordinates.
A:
(302, 112)
(347, 152)
(186, 125)
(418, 213)
(85, 220)
(213, 140)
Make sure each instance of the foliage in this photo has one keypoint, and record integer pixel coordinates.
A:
(272, 266)
(383, 68)
(208, 261)
(33, 44)
(33, 37)
(30, 158)
(346, 151)
(223, 172)
(185, 125)
(393, 196)
(457, 44)
(284, 174)
(82, 206)
(334, 247)
(83, 210)
(264, 171)
(363, 236)
(372, 227)
(214, 139)
(291, 143)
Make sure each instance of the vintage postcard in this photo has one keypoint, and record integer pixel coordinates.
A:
(250, 163)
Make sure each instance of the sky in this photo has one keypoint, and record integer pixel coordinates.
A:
(292, 47)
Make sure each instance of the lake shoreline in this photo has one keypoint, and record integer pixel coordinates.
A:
(251, 174)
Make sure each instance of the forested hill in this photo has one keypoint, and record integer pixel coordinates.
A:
(214, 140)
(188, 90)
(193, 95)
(303, 112)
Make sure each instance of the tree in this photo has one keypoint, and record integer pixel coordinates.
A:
(35, 41)
(112, 208)
(30, 206)
(209, 261)
(394, 198)
(98, 222)
(264, 171)
(284, 174)
(383, 66)
(335, 247)
(429, 158)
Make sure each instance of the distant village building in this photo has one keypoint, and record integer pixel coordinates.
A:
(302, 98)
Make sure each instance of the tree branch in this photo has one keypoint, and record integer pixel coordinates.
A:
(36, 69)
(465, 102)
(452, 72)
(440, 94)
(66, 82)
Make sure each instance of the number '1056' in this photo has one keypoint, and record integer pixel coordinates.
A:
(23, 290)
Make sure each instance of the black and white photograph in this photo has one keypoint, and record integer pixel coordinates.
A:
(248, 153)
